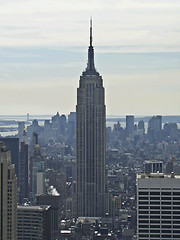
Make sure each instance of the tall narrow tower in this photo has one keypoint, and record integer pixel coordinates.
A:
(90, 140)
(8, 196)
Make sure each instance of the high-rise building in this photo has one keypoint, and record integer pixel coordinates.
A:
(72, 124)
(130, 124)
(21, 126)
(34, 222)
(62, 124)
(23, 169)
(8, 196)
(155, 128)
(12, 144)
(37, 173)
(53, 200)
(153, 166)
(92, 196)
(158, 206)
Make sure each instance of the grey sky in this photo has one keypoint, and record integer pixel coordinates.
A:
(43, 50)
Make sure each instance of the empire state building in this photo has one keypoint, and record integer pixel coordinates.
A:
(92, 197)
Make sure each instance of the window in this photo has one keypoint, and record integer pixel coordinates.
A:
(143, 193)
(143, 221)
(154, 193)
(143, 207)
(176, 193)
(165, 198)
(143, 212)
(154, 198)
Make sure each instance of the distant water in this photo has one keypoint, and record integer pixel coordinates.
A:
(24, 117)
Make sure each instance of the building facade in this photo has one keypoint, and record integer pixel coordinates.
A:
(8, 196)
(34, 222)
(130, 125)
(155, 128)
(12, 144)
(23, 169)
(90, 140)
(158, 206)
(56, 206)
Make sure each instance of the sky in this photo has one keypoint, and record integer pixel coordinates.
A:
(43, 51)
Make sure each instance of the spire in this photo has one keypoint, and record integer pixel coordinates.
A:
(90, 70)
(91, 31)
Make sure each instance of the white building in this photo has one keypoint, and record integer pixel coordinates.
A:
(158, 206)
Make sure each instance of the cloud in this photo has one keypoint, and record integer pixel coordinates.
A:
(146, 25)
(44, 50)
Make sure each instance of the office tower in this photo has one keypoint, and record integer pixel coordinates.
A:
(12, 144)
(130, 124)
(8, 196)
(33, 222)
(23, 169)
(21, 126)
(53, 200)
(141, 125)
(34, 142)
(117, 127)
(155, 128)
(57, 179)
(158, 206)
(62, 124)
(47, 131)
(72, 124)
(55, 123)
(34, 128)
(171, 130)
(172, 166)
(140, 130)
(90, 140)
(153, 166)
(37, 173)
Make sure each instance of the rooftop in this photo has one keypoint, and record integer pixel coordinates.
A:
(157, 175)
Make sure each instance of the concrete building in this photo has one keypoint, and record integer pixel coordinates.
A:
(153, 166)
(23, 169)
(155, 128)
(12, 144)
(72, 124)
(158, 206)
(53, 200)
(8, 196)
(21, 126)
(130, 124)
(33, 222)
(37, 173)
(90, 139)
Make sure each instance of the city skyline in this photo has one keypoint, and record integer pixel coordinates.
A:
(43, 51)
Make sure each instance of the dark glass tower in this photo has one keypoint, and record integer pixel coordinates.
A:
(90, 139)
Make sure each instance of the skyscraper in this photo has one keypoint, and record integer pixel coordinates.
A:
(155, 128)
(12, 144)
(130, 124)
(37, 173)
(23, 169)
(53, 200)
(90, 140)
(8, 196)
(158, 206)
(33, 222)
